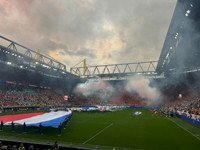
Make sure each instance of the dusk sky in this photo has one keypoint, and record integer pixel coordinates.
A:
(101, 31)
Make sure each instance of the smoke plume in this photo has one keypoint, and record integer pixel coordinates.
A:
(141, 86)
(99, 88)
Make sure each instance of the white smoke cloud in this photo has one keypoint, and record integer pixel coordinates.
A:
(99, 88)
(141, 86)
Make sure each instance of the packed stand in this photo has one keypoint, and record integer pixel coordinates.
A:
(188, 106)
(121, 98)
(20, 96)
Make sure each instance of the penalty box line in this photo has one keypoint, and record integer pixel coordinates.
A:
(184, 128)
(98, 133)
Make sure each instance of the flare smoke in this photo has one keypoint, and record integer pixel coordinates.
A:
(141, 86)
(99, 88)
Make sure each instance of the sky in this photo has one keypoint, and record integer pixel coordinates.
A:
(100, 31)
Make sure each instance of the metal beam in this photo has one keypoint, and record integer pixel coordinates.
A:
(15, 47)
(117, 70)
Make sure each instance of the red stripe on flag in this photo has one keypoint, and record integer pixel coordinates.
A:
(9, 118)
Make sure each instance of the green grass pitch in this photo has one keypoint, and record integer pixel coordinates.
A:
(117, 130)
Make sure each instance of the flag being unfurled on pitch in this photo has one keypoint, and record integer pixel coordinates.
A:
(52, 119)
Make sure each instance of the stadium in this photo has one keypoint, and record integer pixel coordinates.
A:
(147, 105)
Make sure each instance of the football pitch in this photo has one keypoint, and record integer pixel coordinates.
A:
(115, 130)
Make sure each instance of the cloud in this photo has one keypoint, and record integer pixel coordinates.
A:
(101, 31)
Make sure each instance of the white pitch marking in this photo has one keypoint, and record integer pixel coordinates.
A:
(98, 133)
(185, 129)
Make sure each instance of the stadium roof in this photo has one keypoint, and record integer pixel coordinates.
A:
(17, 55)
(180, 51)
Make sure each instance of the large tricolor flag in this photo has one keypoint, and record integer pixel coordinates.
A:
(52, 119)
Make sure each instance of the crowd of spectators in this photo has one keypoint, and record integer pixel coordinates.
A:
(188, 106)
(122, 98)
(20, 96)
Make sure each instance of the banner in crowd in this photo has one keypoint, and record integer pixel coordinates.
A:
(190, 120)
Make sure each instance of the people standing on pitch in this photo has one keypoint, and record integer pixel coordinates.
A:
(152, 112)
(40, 128)
(1, 126)
(59, 129)
(24, 127)
(66, 121)
(156, 112)
(13, 127)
